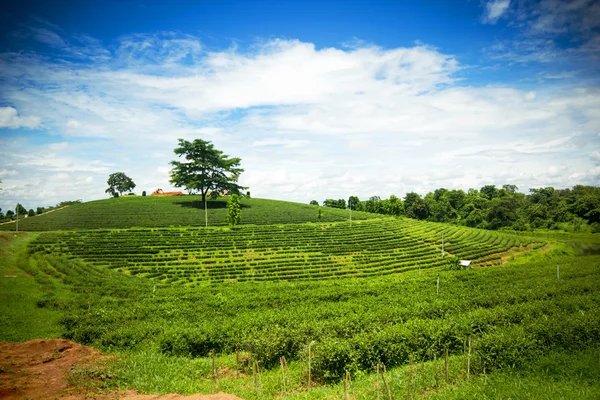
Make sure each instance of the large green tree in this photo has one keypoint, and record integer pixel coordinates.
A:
(119, 183)
(205, 170)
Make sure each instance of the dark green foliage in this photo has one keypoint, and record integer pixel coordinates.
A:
(314, 203)
(19, 209)
(205, 170)
(31, 213)
(340, 203)
(119, 183)
(144, 193)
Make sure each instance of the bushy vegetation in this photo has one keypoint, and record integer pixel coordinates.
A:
(509, 317)
(493, 208)
(262, 302)
(281, 252)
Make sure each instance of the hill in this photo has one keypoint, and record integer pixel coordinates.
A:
(174, 211)
(281, 252)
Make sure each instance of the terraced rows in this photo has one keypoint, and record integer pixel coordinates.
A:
(278, 252)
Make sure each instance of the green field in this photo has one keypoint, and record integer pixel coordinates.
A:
(333, 298)
(174, 211)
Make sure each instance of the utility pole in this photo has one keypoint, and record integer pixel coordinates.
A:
(350, 204)
(443, 245)
(205, 213)
(17, 229)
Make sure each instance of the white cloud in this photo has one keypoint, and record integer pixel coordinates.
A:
(307, 122)
(494, 9)
(9, 118)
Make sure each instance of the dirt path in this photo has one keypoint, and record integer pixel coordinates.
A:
(39, 369)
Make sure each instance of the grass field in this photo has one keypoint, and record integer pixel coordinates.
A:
(330, 298)
(175, 211)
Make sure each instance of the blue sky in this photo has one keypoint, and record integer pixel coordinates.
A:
(320, 99)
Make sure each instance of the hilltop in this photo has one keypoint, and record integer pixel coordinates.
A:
(175, 211)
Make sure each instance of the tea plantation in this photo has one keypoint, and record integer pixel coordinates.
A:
(286, 306)
(174, 211)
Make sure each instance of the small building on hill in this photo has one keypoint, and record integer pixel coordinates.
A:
(465, 263)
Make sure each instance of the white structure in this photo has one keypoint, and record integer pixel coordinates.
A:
(465, 263)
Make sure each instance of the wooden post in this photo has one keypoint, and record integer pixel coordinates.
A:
(254, 378)
(346, 386)
(214, 371)
(282, 375)
(408, 380)
(377, 382)
(387, 387)
(237, 362)
(469, 360)
(462, 367)
(309, 377)
(446, 363)
(435, 368)
(423, 372)
(416, 376)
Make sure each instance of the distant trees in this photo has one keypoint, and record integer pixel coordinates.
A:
(22, 211)
(205, 169)
(340, 203)
(314, 203)
(119, 183)
(493, 207)
(355, 204)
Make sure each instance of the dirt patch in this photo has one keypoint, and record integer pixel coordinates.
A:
(39, 369)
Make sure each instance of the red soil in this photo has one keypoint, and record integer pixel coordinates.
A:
(39, 370)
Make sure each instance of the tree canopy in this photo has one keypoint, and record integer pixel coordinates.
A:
(205, 170)
(119, 183)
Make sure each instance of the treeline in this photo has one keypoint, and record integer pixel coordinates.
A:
(22, 212)
(492, 207)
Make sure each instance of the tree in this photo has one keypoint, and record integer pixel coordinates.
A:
(234, 212)
(314, 203)
(354, 203)
(319, 213)
(20, 210)
(30, 213)
(394, 206)
(40, 210)
(118, 183)
(205, 169)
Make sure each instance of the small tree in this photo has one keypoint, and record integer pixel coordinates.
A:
(314, 203)
(22, 211)
(30, 213)
(144, 193)
(40, 210)
(119, 183)
(234, 212)
(453, 263)
(205, 169)
(319, 213)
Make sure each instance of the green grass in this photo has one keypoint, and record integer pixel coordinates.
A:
(21, 295)
(166, 298)
(178, 211)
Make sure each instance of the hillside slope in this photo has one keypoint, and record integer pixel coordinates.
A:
(279, 252)
(150, 211)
